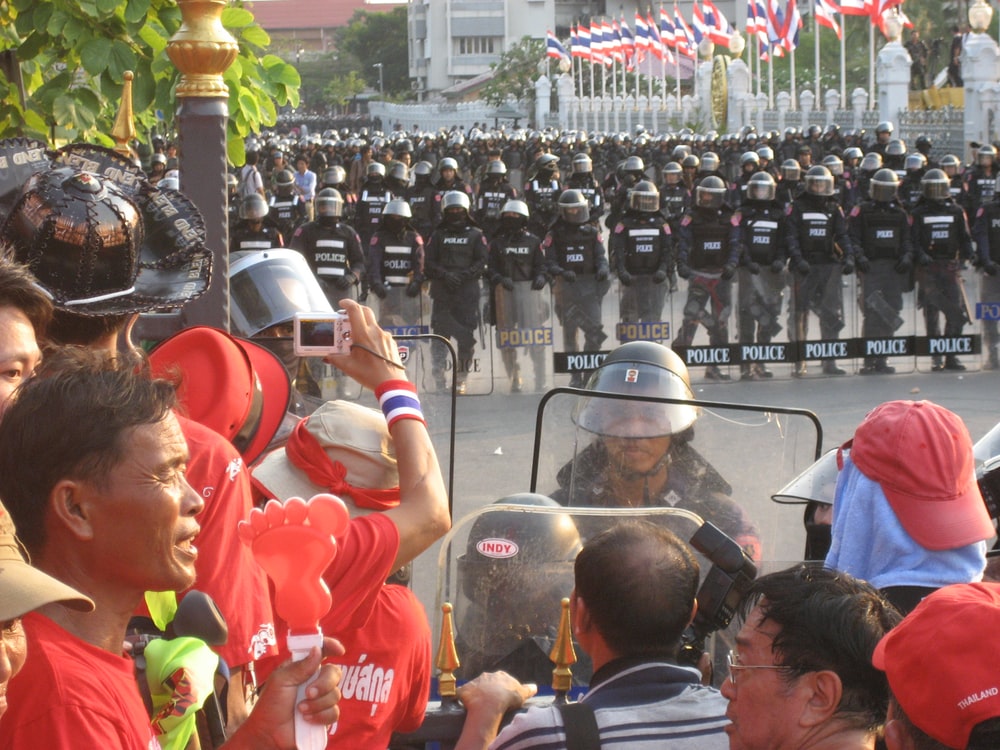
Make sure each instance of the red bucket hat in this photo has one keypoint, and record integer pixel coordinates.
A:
(941, 661)
(921, 455)
(235, 387)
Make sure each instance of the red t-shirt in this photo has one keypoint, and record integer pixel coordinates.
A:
(71, 694)
(386, 672)
(225, 567)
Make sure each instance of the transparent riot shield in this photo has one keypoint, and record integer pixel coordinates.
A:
(886, 303)
(583, 326)
(949, 338)
(401, 314)
(522, 318)
(762, 343)
(462, 321)
(986, 310)
(645, 310)
(823, 321)
(705, 326)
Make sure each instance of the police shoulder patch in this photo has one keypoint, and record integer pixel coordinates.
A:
(686, 220)
(980, 212)
(788, 210)
(856, 210)
(735, 219)
(619, 228)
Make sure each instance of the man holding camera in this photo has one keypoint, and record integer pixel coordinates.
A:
(634, 596)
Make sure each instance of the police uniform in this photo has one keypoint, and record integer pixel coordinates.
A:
(288, 211)
(372, 199)
(333, 251)
(586, 184)
(395, 274)
(642, 248)
(422, 198)
(881, 232)
(494, 192)
(986, 233)
(820, 247)
(246, 237)
(761, 276)
(941, 242)
(516, 257)
(542, 197)
(979, 186)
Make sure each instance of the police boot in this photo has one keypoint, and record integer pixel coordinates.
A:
(991, 361)
(460, 384)
(951, 363)
(936, 365)
(882, 367)
(712, 372)
(830, 368)
(746, 371)
(761, 371)
(799, 370)
(515, 380)
(870, 367)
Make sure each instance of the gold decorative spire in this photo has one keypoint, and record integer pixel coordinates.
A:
(123, 130)
(447, 656)
(564, 655)
(202, 49)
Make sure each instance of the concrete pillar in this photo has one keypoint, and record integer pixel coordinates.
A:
(831, 103)
(738, 83)
(606, 104)
(807, 102)
(564, 90)
(980, 70)
(783, 101)
(543, 96)
(892, 79)
(859, 103)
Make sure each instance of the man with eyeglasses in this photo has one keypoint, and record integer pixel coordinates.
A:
(800, 675)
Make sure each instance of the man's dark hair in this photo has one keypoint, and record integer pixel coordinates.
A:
(829, 621)
(72, 329)
(72, 421)
(638, 581)
(984, 736)
(19, 289)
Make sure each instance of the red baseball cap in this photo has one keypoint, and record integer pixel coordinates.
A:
(231, 385)
(941, 661)
(921, 455)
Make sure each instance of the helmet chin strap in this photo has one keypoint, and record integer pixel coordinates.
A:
(633, 476)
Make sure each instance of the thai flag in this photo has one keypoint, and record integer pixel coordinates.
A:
(583, 40)
(683, 34)
(596, 43)
(698, 25)
(790, 32)
(657, 45)
(856, 7)
(641, 34)
(824, 16)
(719, 30)
(775, 28)
(612, 44)
(553, 48)
(667, 34)
(628, 43)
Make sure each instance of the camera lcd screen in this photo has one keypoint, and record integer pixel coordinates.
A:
(317, 333)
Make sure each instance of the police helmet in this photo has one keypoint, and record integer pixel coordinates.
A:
(924, 144)
(680, 152)
(582, 164)
(986, 154)
(329, 203)
(766, 153)
(375, 170)
(691, 161)
(672, 173)
(884, 127)
(644, 197)
(915, 162)
(819, 181)
(634, 165)
(709, 162)
(284, 182)
(397, 207)
(253, 207)
(516, 208)
(761, 187)
(711, 192)
(834, 164)
(853, 153)
(447, 163)
(423, 169)
(895, 147)
(883, 186)
(546, 164)
(169, 183)
(232, 181)
(400, 172)
(334, 176)
(935, 185)
(872, 162)
(455, 201)
(573, 207)
(638, 368)
(496, 167)
(951, 164)
(815, 131)
(791, 170)
(158, 159)
(750, 157)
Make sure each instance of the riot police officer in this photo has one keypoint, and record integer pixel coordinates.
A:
(515, 255)
(373, 197)
(422, 199)
(494, 192)
(790, 182)
(642, 251)
(628, 174)
(820, 251)
(541, 193)
(980, 179)
(708, 251)
(331, 248)
(942, 243)
(336, 177)
(396, 265)
(454, 260)
(761, 275)
(253, 231)
(880, 227)
(675, 198)
(582, 179)
(576, 258)
(286, 207)
(986, 233)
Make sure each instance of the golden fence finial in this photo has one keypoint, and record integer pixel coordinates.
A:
(123, 130)
(447, 655)
(564, 655)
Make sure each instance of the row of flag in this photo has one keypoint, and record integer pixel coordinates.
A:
(776, 29)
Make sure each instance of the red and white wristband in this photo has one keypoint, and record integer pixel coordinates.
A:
(398, 400)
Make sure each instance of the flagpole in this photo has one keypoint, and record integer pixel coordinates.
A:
(871, 64)
(819, 94)
(770, 80)
(791, 63)
(843, 63)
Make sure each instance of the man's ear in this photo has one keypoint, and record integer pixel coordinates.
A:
(70, 507)
(579, 615)
(694, 611)
(896, 737)
(822, 702)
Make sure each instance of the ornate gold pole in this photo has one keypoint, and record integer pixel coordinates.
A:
(447, 658)
(564, 655)
(123, 131)
(202, 50)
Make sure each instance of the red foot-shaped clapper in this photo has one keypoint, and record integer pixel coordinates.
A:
(294, 543)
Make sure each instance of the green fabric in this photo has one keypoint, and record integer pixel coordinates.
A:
(162, 607)
(181, 676)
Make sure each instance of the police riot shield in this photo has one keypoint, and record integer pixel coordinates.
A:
(951, 325)
(583, 326)
(823, 321)
(705, 325)
(986, 312)
(400, 313)
(887, 305)
(522, 320)
(646, 310)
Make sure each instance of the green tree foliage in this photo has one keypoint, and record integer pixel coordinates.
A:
(341, 89)
(72, 56)
(515, 73)
(371, 38)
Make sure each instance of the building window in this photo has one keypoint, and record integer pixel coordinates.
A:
(477, 45)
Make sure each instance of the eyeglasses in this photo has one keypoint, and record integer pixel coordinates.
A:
(733, 660)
